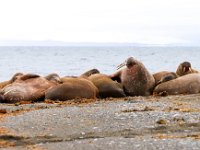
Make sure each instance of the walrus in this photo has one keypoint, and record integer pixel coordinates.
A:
(187, 84)
(164, 76)
(72, 88)
(168, 77)
(135, 78)
(185, 68)
(106, 86)
(15, 77)
(29, 87)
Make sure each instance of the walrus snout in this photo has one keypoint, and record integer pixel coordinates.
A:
(186, 69)
(186, 66)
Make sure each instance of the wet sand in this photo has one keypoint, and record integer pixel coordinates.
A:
(171, 122)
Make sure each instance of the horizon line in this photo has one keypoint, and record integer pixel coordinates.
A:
(65, 43)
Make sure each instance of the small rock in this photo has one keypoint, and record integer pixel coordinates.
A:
(161, 121)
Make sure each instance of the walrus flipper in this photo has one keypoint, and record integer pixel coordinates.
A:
(90, 72)
(116, 76)
(29, 76)
(53, 77)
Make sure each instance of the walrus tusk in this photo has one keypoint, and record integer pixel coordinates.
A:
(8, 91)
(183, 69)
(190, 69)
(121, 65)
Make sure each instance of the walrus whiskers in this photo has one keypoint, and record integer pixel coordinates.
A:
(9, 91)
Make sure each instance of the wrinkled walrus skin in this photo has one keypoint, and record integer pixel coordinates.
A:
(29, 87)
(135, 78)
(187, 84)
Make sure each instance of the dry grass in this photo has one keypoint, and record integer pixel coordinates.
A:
(167, 136)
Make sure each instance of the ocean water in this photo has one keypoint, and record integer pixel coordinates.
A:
(76, 60)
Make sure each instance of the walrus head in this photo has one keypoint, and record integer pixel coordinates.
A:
(186, 66)
(128, 63)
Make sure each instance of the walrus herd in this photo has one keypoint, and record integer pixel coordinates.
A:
(131, 79)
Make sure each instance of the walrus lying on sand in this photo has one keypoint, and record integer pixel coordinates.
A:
(164, 76)
(28, 87)
(106, 86)
(187, 84)
(72, 88)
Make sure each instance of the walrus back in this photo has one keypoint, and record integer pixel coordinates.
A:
(71, 89)
(106, 86)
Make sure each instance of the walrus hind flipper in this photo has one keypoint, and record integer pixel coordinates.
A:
(29, 76)
(90, 72)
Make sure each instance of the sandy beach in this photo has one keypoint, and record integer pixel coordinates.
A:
(171, 122)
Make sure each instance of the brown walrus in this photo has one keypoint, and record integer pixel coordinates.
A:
(168, 77)
(135, 78)
(15, 77)
(187, 84)
(28, 87)
(72, 88)
(106, 86)
(164, 76)
(185, 68)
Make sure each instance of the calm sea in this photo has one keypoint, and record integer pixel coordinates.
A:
(76, 60)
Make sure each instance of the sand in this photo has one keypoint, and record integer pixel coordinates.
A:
(171, 122)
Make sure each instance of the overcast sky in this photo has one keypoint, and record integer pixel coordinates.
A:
(137, 21)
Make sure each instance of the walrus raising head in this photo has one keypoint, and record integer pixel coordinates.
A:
(185, 68)
(135, 78)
